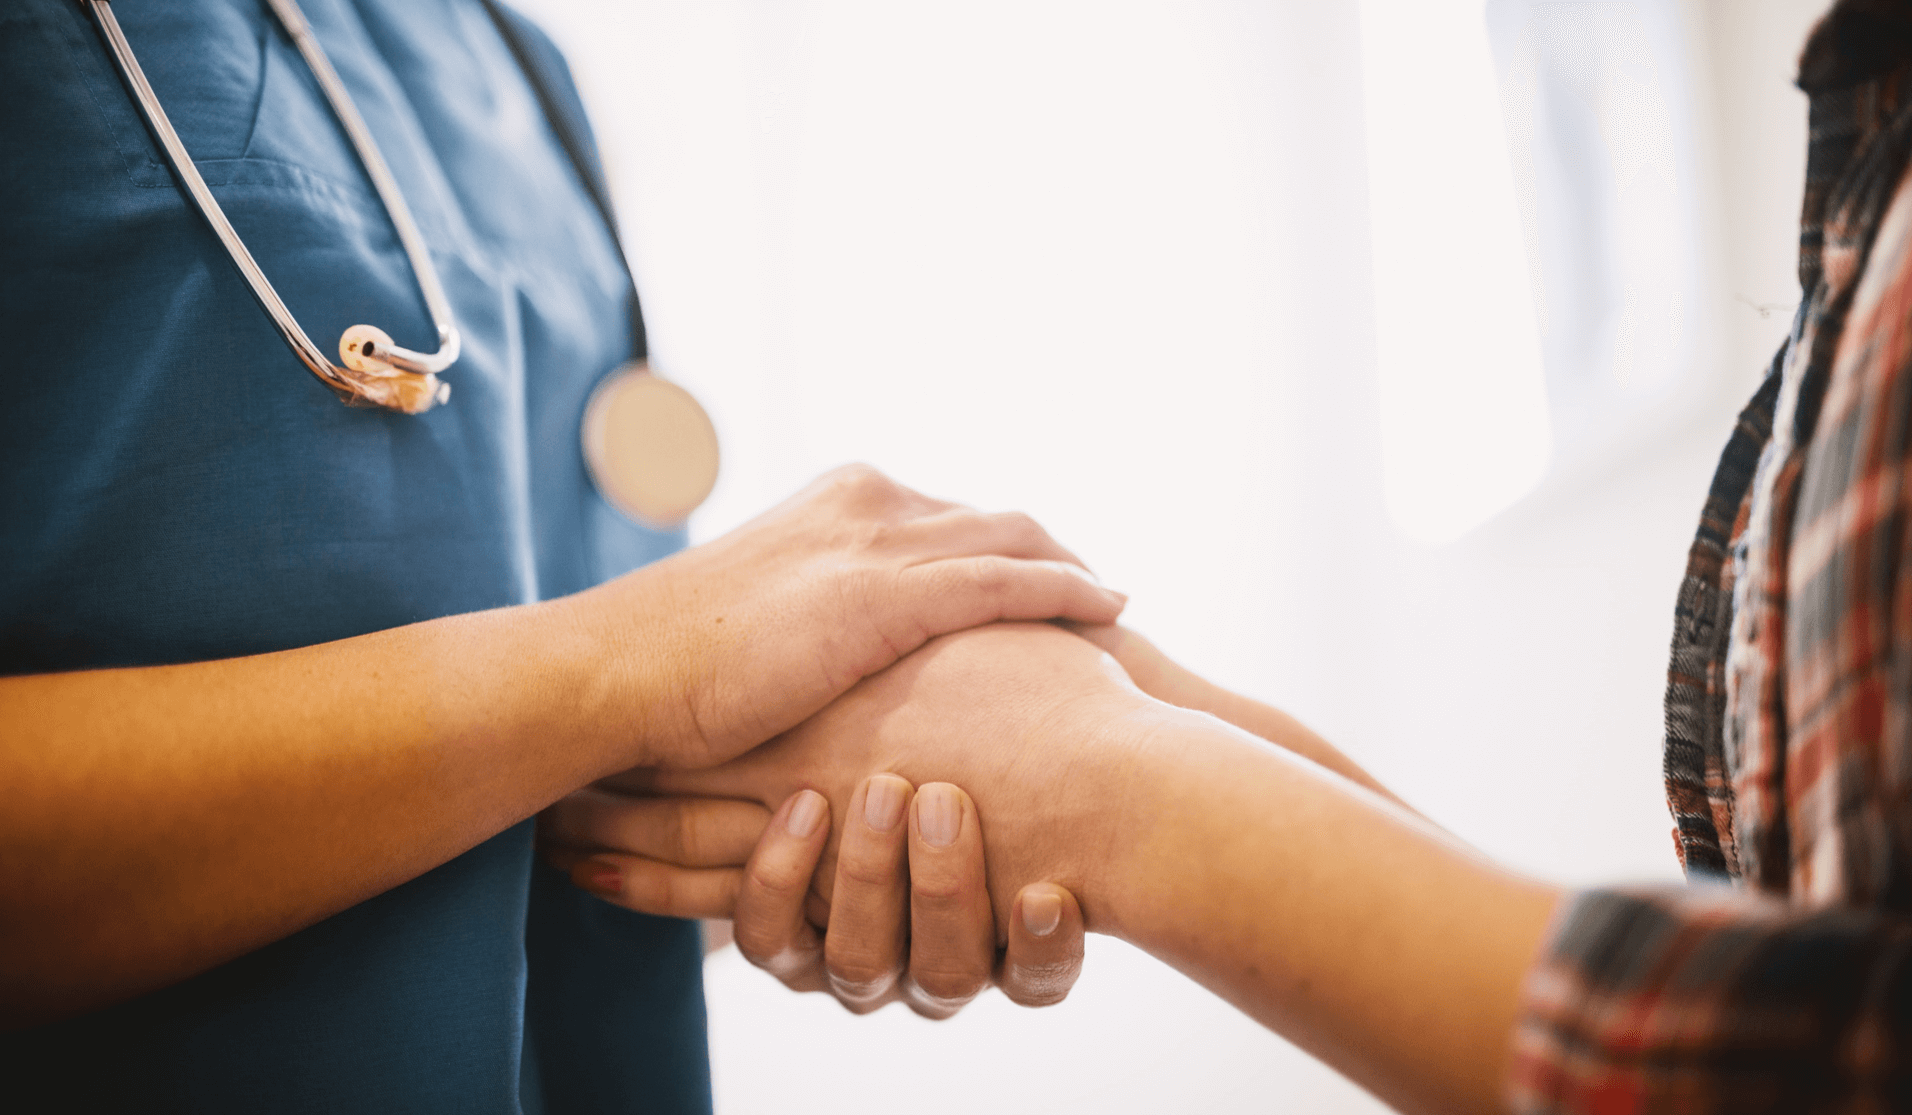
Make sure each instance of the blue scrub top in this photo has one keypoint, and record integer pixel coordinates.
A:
(175, 487)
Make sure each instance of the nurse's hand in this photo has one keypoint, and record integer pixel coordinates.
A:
(717, 649)
(910, 919)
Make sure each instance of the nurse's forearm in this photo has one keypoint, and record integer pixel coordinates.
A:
(160, 821)
(1350, 926)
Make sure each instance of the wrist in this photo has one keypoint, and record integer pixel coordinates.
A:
(615, 674)
(1129, 783)
(1180, 785)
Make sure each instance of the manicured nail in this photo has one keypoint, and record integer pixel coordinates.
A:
(805, 812)
(939, 814)
(1041, 912)
(603, 879)
(883, 802)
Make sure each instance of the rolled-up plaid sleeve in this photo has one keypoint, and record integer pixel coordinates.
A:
(1708, 999)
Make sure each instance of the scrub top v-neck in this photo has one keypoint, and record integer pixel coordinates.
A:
(177, 488)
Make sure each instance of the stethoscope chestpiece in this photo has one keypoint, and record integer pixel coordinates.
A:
(650, 448)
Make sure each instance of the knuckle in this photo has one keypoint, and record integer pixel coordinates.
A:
(869, 868)
(939, 895)
(649, 890)
(778, 882)
(992, 574)
(687, 836)
(860, 478)
(1023, 528)
(860, 959)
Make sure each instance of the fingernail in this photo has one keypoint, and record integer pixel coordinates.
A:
(883, 802)
(603, 879)
(939, 814)
(1041, 912)
(805, 812)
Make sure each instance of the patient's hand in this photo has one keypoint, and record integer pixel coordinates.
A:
(911, 920)
(1031, 720)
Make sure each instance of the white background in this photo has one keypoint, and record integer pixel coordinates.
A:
(1111, 263)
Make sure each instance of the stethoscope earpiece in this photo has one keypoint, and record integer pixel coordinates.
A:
(362, 349)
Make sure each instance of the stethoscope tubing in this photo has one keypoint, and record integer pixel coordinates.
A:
(416, 249)
(347, 384)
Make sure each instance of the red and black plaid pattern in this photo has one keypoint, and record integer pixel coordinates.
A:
(1789, 697)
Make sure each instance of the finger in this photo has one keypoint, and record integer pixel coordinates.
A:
(1110, 637)
(761, 774)
(637, 780)
(689, 832)
(869, 904)
(771, 931)
(650, 887)
(952, 930)
(1044, 955)
(960, 593)
(962, 532)
(754, 776)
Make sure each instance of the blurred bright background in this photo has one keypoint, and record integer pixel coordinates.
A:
(1380, 349)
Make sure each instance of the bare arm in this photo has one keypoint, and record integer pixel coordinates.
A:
(1332, 915)
(1329, 913)
(161, 821)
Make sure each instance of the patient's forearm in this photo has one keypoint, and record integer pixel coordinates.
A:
(1340, 920)
(1278, 727)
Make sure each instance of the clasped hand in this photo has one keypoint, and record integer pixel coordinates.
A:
(873, 909)
(840, 874)
(908, 919)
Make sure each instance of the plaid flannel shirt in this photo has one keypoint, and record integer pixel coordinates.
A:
(1789, 696)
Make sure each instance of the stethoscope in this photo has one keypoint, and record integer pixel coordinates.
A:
(649, 446)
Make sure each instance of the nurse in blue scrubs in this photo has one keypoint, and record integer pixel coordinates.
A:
(286, 681)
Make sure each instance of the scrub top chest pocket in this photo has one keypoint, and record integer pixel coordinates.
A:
(648, 445)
